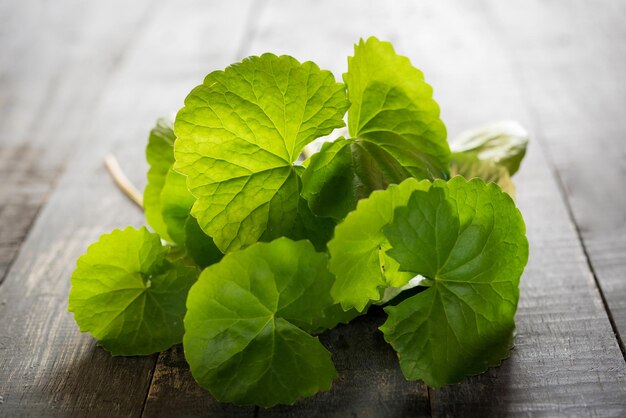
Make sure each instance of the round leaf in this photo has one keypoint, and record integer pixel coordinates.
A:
(238, 136)
(393, 111)
(468, 239)
(246, 337)
(128, 295)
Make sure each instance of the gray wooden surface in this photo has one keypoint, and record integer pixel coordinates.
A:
(80, 79)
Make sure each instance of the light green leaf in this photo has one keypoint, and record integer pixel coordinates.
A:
(392, 107)
(468, 239)
(503, 143)
(357, 251)
(176, 203)
(167, 202)
(469, 166)
(246, 337)
(238, 136)
(128, 295)
(160, 156)
(396, 132)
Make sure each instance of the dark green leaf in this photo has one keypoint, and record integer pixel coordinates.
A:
(468, 239)
(246, 337)
(200, 247)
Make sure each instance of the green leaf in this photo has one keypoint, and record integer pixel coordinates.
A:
(469, 166)
(176, 203)
(128, 295)
(346, 171)
(200, 247)
(503, 143)
(392, 107)
(167, 202)
(468, 239)
(248, 320)
(357, 251)
(396, 132)
(160, 156)
(238, 136)
(317, 229)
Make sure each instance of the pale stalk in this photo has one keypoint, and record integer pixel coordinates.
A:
(114, 169)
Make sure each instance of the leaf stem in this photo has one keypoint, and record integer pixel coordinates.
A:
(114, 169)
(307, 151)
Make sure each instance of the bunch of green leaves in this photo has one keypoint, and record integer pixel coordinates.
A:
(254, 253)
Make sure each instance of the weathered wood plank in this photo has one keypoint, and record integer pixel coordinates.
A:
(54, 65)
(23, 186)
(173, 392)
(47, 368)
(574, 71)
(566, 360)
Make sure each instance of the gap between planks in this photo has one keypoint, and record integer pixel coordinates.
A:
(570, 213)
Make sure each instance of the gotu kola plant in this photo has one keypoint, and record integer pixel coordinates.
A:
(254, 253)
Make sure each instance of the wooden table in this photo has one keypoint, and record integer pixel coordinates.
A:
(80, 79)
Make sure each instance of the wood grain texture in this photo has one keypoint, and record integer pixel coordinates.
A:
(174, 392)
(574, 71)
(55, 62)
(24, 185)
(47, 368)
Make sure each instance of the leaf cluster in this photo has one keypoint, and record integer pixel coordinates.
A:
(254, 252)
